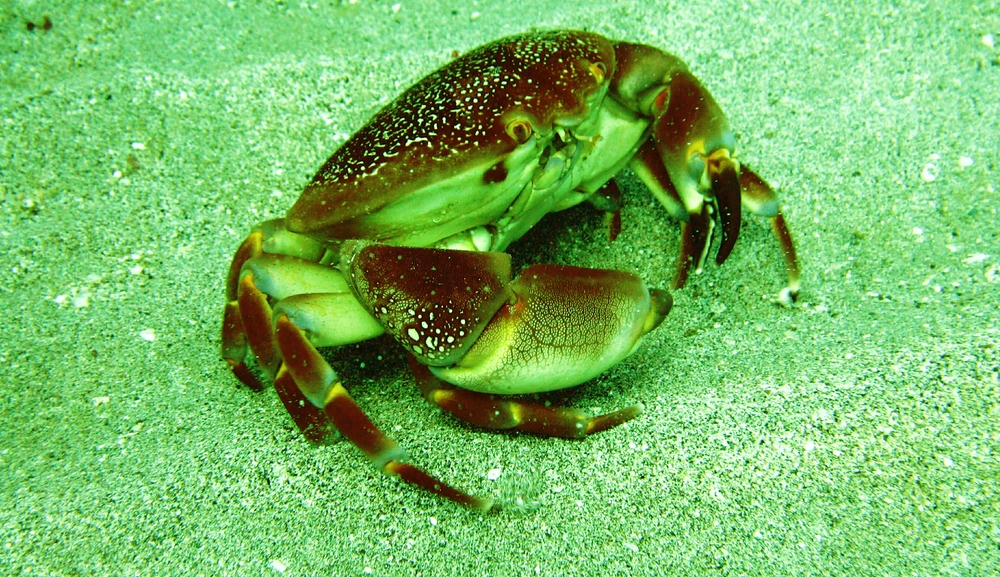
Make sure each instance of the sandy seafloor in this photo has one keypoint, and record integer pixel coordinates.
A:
(857, 433)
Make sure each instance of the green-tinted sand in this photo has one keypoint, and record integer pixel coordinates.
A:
(855, 434)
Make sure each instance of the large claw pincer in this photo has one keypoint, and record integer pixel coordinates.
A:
(461, 314)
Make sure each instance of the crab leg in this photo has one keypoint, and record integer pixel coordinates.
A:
(762, 201)
(306, 384)
(309, 419)
(274, 265)
(696, 225)
(253, 306)
(333, 319)
(497, 412)
(608, 199)
(234, 346)
(255, 311)
(246, 324)
(696, 233)
(694, 142)
(257, 278)
(320, 384)
(234, 335)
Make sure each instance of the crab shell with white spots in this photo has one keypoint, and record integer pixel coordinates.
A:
(417, 205)
(455, 151)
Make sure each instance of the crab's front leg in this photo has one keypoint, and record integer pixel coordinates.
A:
(688, 160)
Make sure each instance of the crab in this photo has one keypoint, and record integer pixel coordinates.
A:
(402, 231)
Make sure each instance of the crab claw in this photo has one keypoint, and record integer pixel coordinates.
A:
(563, 326)
(723, 172)
(461, 314)
(695, 144)
(688, 161)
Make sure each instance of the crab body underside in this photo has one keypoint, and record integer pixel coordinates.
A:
(401, 231)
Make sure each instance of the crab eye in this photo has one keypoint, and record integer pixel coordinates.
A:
(519, 130)
(599, 70)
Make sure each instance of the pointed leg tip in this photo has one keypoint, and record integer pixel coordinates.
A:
(613, 223)
(788, 296)
(660, 304)
(245, 376)
(483, 504)
(416, 476)
(604, 422)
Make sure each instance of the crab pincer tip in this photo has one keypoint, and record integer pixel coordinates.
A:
(660, 303)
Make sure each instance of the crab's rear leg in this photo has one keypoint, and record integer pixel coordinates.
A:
(234, 334)
(246, 324)
(322, 387)
(253, 305)
(306, 384)
(276, 267)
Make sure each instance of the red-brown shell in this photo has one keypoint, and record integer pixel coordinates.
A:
(436, 303)
(451, 120)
